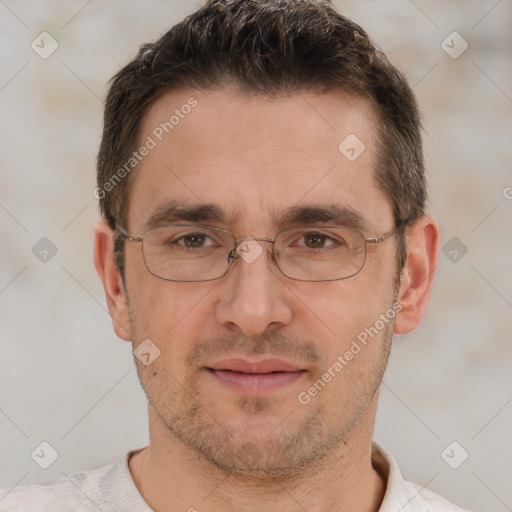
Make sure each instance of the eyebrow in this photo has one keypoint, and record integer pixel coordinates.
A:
(312, 214)
(171, 211)
(174, 211)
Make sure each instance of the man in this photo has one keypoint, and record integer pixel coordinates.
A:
(261, 181)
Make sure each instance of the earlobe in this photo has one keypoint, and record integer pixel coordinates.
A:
(418, 275)
(111, 279)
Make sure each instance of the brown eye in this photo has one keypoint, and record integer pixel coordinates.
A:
(315, 240)
(194, 240)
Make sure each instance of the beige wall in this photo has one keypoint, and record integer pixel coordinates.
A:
(64, 376)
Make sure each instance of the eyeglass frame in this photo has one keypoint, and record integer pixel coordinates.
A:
(233, 254)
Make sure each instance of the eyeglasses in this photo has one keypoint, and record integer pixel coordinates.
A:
(194, 253)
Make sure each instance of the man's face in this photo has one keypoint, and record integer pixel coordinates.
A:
(256, 158)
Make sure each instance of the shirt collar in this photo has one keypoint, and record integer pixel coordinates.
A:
(399, 496)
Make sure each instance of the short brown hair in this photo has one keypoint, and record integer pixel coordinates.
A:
(269, 48)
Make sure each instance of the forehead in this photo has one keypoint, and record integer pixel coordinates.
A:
(257, 158)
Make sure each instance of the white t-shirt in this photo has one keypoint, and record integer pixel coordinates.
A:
(112, 489)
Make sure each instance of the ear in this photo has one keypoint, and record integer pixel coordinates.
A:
(418, 275)
(111, 279)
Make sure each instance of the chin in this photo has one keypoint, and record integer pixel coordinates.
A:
(257, 441)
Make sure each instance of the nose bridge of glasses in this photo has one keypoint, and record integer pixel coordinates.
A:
(182, 253)
(241, 239)
(234, 253)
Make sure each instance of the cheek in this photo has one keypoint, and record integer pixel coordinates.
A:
(171, 315)
(156, 305)
(342, 312)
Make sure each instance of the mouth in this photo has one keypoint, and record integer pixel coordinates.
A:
(255, 377)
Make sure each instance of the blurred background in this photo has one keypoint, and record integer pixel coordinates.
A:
(66, 379)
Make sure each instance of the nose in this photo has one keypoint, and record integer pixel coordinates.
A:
(253, 295)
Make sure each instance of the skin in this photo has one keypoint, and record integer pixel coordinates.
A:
(212, 448)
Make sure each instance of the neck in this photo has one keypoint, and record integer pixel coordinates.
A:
(173, 477)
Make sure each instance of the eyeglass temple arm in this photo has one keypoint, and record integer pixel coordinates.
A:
(128, 237)
(385, 236)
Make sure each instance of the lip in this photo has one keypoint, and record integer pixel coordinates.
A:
(264, 366)
(255, 378)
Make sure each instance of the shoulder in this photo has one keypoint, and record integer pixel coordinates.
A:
(403, 495)
(68, 494)
(107, 488)
(430, 501)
